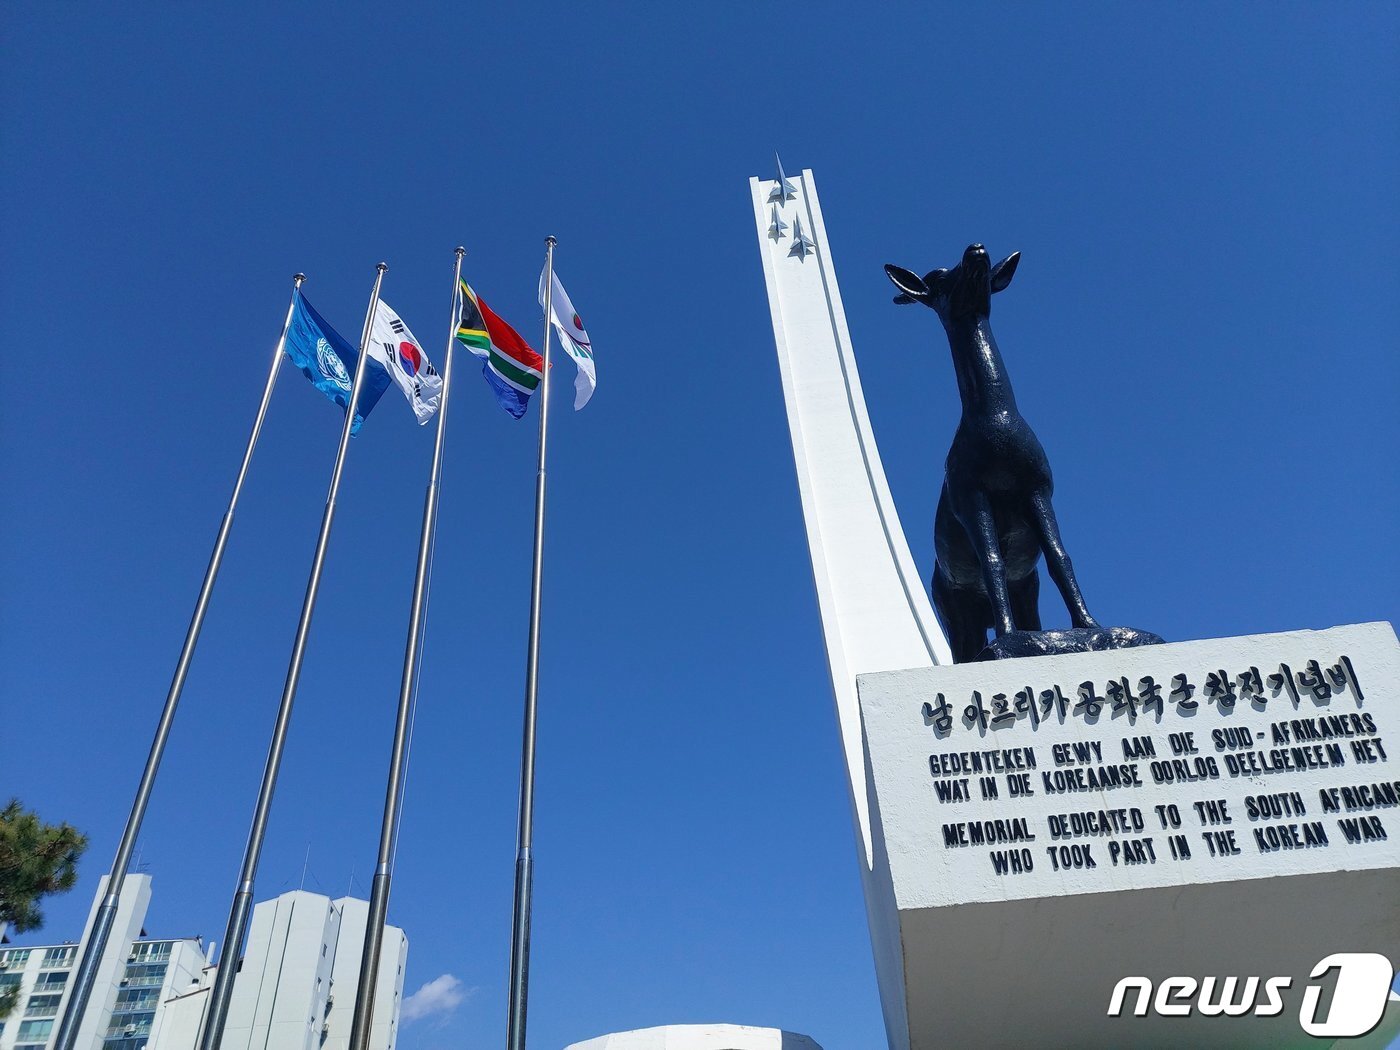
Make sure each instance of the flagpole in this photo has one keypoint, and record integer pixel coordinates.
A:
(408, 689)
(243, 895)
(96, 946)
(524, 859)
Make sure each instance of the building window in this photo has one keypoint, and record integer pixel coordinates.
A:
(150, 951)
(15, 957)
(42, 1006)
(30, 1031)
(59, 956)
(144, 975)
(129, 999)
(51, 982)
(129, 1026)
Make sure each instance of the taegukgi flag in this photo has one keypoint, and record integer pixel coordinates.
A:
(573, 338)
(394, 348)
(328, 359)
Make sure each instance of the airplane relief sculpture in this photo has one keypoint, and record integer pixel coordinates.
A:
(995, 515)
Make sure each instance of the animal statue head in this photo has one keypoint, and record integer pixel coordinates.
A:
(961, 294)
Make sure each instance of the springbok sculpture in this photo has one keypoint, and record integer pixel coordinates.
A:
(994, 514)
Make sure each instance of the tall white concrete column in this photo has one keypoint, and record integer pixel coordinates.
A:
(876, 614)
(875, 610)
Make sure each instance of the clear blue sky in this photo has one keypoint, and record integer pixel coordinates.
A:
(1202, 330)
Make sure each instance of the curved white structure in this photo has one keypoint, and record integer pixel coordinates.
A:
(699, 1037)
(875, 610)
(876, 614)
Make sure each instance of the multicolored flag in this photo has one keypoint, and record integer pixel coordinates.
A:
(328, 359)
(393, 347)
(573, 338)
(511, 368)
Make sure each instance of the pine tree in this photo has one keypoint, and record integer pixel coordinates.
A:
(36, 859)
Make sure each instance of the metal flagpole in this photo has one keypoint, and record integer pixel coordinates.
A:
(243, 895)
(96, 945)
(408, 689)
(524, 860)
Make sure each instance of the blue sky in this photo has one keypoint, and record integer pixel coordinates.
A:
(1202, 331)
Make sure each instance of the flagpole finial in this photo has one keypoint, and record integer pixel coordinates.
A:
(383, 267)
(298, 278)
(460, 250)
(550, 241)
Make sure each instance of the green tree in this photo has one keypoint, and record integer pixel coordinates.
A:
(36, 859)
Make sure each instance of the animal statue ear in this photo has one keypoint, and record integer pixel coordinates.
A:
(1002, 271)
(911, 284)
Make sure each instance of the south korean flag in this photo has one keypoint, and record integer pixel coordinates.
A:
(396, 349)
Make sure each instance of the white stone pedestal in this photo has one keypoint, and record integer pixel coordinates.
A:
(1044, 828)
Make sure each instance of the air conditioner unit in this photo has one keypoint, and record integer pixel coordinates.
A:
(131, 957)
(129, 1031)
(126, 980)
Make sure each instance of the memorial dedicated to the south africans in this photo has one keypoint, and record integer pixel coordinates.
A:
(1087, 836)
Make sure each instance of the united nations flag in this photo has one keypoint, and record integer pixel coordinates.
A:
(327, 359)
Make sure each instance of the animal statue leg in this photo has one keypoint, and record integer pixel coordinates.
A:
(1056, 560)
(967, 629)
(1025, 602)
(974, 512)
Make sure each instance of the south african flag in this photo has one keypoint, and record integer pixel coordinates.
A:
(508, 363)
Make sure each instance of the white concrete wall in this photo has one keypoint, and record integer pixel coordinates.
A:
(279, 998)
(185, 968)
(180, 1019)
(388, 992)
(131, 914)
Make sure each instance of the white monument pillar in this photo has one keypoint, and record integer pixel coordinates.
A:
(875, 610)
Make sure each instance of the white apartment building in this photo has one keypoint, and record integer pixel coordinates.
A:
(295, 988)
(297, 982)
(136, 975)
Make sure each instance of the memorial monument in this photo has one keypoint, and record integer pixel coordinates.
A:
(1108, 843)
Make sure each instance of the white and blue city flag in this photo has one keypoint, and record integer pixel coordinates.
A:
(574, 338)
(327, 359)
(395, 349)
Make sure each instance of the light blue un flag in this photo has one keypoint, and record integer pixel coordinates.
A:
(328, 360)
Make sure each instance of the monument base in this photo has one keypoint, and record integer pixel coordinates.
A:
(1068, 640)
(1187, 844)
